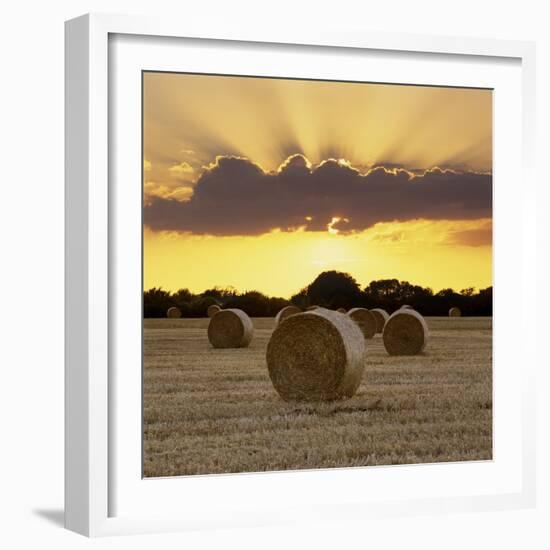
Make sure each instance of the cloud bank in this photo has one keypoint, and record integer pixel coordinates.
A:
(235, 196)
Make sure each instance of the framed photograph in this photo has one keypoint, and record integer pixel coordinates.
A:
(290, 270)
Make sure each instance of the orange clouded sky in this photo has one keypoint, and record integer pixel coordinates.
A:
(222, 226)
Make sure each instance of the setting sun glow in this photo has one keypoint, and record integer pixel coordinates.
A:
(262, 184)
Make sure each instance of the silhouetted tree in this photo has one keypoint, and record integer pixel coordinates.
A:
(300, 299)
(482, 303)
(156, 302)
(183, 295)
(216, 293)
(391, 294)
(257, 304)
(334, 289)
(199, 305)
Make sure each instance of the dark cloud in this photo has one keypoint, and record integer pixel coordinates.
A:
(236, 197)
(399, 166)
(473, 237)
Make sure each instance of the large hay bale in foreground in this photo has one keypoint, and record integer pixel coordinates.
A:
(230, 328)
(212, 310)
(365, 320)
(287, 311)
(316, 356)
(173, 312)
(455, 312)
(405, 333)
(381, 316)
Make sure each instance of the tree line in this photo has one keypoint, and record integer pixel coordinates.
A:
(330, 289)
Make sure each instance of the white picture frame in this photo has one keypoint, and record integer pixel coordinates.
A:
(95, 480)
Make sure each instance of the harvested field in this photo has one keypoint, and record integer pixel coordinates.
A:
(215, 410)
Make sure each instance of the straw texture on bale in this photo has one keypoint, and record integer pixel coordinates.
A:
(230, 328)
(365, 320)
(173, 313)
(316, 356)
(405, 333)
(287, 311)
(381, 316)
(311, 308)
(341, 310)
(212, 310)
(455, 312)
(406, 306)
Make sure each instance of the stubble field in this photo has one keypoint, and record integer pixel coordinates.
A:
(209, 411)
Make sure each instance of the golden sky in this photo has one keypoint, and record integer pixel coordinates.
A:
(261, 184)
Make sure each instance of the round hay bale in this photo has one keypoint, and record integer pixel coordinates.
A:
(406, 306)
(316, 356)
(173, 312)
(212, 310)
(365, 320)
(341, 310)
(381, 316)
(287, 311)
(455, 312)
(311, 308)
(405, 333)
(230, 328)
